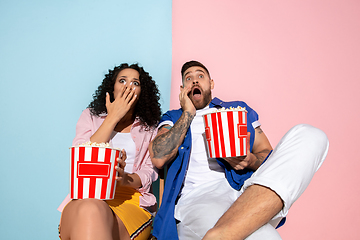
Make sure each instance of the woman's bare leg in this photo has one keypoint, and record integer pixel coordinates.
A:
(89, 219)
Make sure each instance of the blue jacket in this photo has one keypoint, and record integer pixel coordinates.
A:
(164, 222)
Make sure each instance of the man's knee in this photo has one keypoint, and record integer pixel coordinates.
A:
(311, 133)
(315, 139)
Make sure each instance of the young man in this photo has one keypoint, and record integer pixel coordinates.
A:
(230, 198)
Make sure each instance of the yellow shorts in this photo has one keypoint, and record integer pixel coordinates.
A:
(126, 206)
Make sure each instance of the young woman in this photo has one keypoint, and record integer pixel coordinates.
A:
(124, 112)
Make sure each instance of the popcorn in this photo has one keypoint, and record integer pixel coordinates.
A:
(95, 144)
(238, 108)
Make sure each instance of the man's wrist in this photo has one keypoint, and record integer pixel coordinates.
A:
(254, 162)
(190, 113)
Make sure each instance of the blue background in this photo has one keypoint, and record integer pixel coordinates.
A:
(53, 55)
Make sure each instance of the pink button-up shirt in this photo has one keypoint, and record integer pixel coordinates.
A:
(143, 167)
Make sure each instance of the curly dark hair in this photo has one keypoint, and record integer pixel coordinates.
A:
(147, 108)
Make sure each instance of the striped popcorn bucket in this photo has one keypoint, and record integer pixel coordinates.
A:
(92, 172)
(226, 133)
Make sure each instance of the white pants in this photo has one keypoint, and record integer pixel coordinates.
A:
(288, 171)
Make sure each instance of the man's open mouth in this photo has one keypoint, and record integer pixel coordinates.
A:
(196, 93)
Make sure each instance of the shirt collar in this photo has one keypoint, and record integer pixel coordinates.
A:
(216, 103)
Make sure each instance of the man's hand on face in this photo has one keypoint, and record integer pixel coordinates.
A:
(185, 101)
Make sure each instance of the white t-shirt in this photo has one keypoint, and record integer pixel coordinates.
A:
(201, 169)
(124, 141)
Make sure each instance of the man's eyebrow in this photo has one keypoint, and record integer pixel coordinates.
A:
(198, 70)
(186, 74)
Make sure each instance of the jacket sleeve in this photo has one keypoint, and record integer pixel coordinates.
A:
(83, 134)
(83, 128)
(146, 171)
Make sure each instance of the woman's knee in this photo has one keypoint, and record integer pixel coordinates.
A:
(81, 217)
(87, 208)
(79, 213)
(92, 208)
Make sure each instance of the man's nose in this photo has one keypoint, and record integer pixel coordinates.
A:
(195, 81)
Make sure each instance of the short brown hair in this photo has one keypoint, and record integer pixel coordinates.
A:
(190, 64)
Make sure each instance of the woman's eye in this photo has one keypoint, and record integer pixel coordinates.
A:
(122, 81)
(136, 83)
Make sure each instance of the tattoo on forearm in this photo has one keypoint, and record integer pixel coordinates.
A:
(168, 142)
(259, 130)
(167, 127)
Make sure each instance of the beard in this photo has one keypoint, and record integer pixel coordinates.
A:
(204, 101)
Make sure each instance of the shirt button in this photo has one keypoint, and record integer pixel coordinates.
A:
(182, 148)
(137, 149)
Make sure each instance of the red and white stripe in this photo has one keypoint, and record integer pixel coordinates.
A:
(92, 172)
(226, 133)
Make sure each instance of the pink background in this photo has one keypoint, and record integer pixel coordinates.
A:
(293, 62)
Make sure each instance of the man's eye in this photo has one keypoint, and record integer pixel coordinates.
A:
(188, 78)
(201, 76)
